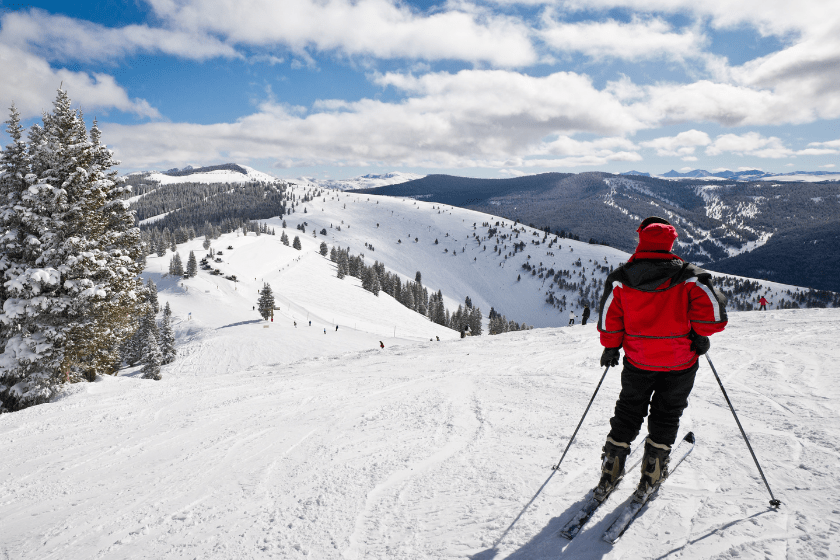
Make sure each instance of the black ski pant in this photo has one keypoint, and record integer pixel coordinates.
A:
(666, 392)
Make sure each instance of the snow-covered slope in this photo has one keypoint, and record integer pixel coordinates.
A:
(289, 442)
(215, 176)
(458, 264)
(370, 181)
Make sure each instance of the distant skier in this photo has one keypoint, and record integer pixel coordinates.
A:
(381, 345)
(325, 330)
(463, 332)
(438, 338)
(661, 310)
(295, 324)
(763, 303)
(585, 315)
(572, 317)
(336, 328)
(310, 323)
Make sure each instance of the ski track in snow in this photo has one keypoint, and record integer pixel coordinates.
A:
(288, 442)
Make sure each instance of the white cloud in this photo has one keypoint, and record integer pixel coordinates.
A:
(472, 118)
(378, 28)
(828, 165)
(31, 83)
(61, 38)
(682, 145)
(749, 144)
(830, 144)
(637, 40)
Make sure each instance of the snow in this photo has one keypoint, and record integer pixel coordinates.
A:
(217, 176)
(270, 440)
(369, 181)
(305, 448)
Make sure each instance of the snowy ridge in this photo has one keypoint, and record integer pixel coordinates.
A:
(216, 176)
(370, 181)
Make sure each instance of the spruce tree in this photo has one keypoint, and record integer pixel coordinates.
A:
(176, 267)
(152, 358)
(296, 243)
(323, 249)
(167, 339)
(153, 299)
(265, 305)
(475, 321)
(71, 293)
(192, 266)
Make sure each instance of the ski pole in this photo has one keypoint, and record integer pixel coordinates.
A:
(773, 501)
(557, 466)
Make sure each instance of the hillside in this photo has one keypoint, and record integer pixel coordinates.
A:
(289, 442)
(369, 181)
(716, 220)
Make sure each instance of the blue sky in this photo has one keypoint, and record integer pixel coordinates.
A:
(339, 88)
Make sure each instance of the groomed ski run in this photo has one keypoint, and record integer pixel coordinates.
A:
(286, 442)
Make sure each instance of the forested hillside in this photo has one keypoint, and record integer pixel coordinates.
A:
(717, 221)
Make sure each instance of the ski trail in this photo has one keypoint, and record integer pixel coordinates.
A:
(466, 425)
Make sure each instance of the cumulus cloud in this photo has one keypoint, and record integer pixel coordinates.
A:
(61, 38)
(637, 40)
(378, 28)
(682, 145)
(473, 118)
(31, 83)
(749, 144)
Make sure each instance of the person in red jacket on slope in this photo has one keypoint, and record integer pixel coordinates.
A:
(661, 310)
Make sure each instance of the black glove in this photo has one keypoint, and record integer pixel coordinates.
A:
(699, 344)
(610, 357)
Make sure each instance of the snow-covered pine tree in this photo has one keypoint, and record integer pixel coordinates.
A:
(296, 243)
(323, 249)
(72, 292)
(265, 305)
(284, 239)
(176, 266)
(474, 321)
(152, 358)
(167, 339)
(152, 295)
(192, 266)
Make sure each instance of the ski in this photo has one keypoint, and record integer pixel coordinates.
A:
(576, 523)
(630, 511)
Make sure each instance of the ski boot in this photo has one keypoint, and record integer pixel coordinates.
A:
(654, 469)
(612, 467)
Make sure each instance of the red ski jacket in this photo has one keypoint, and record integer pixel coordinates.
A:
(652, 303)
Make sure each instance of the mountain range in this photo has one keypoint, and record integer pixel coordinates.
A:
(721, 223)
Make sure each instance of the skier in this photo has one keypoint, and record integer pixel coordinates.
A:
(310, 323)
(295, 324)
(763, 303)
(325, 330)
(381, 345)
(585, 315)
(336, 328)
(661, 310)
(572, 317)
(463, 333)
